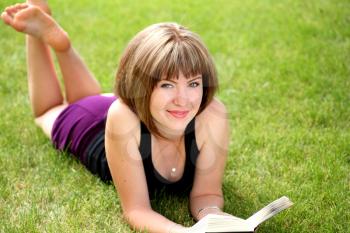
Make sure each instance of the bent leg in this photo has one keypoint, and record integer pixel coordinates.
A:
(78, 80)
(44, 89)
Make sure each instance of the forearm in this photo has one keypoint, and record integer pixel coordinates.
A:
(152, 221)
(206, 204)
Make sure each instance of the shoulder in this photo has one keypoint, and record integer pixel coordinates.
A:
(212, 122)
(121, 121)
(120, 109)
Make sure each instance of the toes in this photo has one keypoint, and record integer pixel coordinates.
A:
(8, 10)
(11, 10)
(22, 6)
(6, 18)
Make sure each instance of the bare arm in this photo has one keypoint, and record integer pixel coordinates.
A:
(152, 221)
(213, 136)
(125, 163)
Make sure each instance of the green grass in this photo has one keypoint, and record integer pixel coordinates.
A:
(284, 69)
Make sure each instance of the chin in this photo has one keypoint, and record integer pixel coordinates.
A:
(178, 125)
(178, 128)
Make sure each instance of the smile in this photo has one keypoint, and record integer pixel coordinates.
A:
(178, 114)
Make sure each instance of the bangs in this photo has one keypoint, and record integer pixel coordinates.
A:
(180, 56)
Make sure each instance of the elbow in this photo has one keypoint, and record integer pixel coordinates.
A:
(130, 216)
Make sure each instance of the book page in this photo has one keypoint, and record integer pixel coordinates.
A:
(220, 223)
(268, 211)
(228, 224)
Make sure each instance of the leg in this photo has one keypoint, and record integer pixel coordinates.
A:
(44, 88)
(30, 19)
(78, 80)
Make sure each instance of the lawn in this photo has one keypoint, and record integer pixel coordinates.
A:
(284, 71)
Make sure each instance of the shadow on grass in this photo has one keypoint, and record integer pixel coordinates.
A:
(173, 207)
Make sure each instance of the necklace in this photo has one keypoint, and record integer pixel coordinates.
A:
(163, 150)
(173, 169)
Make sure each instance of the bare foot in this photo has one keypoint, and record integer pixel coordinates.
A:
(33, 21)
(42, 4)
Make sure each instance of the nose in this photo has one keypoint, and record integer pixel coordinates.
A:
(181, 97)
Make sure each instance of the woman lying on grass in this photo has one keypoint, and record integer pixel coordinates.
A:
(162, 130)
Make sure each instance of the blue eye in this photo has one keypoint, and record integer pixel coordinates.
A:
(166, 85)
(194, 84)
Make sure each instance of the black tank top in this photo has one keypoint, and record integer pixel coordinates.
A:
(156, 182)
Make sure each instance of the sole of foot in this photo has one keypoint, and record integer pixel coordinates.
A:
(30, 19)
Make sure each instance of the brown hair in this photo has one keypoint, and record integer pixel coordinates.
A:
(162, 50)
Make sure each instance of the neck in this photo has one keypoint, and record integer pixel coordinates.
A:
(170, 137)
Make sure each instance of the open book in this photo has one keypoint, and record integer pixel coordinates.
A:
(220, 223)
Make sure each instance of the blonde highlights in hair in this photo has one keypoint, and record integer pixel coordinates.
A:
(162, 51)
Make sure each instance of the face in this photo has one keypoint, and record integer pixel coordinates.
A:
(174, 103)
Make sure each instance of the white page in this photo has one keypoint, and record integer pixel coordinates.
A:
(270, 210)
(221, 223)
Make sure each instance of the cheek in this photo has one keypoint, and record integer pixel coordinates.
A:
(197, 97)
(159, 100)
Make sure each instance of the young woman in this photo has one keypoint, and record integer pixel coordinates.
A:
(162, 130)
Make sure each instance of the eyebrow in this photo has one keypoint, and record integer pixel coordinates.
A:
(191, 80)
(197, 77)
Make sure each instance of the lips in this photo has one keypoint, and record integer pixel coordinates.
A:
(178, 114)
